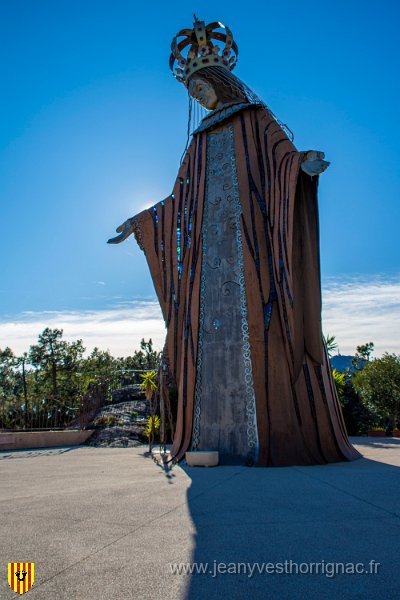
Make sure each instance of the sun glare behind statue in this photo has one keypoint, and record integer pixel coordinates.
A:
(139, 200)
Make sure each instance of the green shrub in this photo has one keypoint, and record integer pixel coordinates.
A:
(107, 421)
(379, 387)
(153, 424)
(148, 384)
(340, 382)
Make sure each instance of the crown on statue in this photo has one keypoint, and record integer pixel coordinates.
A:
(203, 50)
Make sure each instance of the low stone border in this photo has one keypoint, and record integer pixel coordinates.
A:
(22, 440)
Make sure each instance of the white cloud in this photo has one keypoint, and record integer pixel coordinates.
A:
(355, 310)
(360, 310)
(118, 329)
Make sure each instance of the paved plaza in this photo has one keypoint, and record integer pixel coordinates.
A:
(109, 523)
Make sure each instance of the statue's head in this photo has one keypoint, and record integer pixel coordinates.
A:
(213, 87)
(203, 91)
(203, 59)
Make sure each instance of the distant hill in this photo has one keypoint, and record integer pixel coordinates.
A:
(342, 363)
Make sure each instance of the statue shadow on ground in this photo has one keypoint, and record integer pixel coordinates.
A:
(247, 517)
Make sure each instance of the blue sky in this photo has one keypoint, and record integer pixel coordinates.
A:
(93, 127)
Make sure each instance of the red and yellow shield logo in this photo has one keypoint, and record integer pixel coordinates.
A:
(21, 576)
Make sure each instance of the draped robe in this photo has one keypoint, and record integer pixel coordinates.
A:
(298, 416)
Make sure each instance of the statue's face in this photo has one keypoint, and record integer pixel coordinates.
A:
(204, 93)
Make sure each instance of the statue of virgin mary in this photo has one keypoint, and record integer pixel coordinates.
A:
(234, 255)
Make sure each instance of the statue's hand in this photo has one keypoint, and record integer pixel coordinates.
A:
(314, 163)
(124, 230)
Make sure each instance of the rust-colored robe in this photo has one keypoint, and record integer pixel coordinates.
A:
(299, 420)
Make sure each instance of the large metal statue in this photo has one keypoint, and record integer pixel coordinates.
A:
(234, 257)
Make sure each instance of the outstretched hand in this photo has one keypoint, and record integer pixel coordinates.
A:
(314, 163)
(124, 230)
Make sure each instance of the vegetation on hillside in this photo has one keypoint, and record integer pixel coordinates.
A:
(51, 378)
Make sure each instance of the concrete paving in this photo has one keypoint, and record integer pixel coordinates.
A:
(108, 523)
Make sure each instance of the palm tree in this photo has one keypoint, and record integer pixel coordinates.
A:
(330, 344)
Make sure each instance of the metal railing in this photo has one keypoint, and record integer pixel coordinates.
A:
(51, 413)
(55, 413)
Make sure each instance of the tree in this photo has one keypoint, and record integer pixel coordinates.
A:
(144, 359)
(53, 355)
(20, 361)
(378, 384)
(365, 350)
(362, 355)
(13, 383)
(7, 372)
(330, 344)
(358, 418)
(99, 364)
